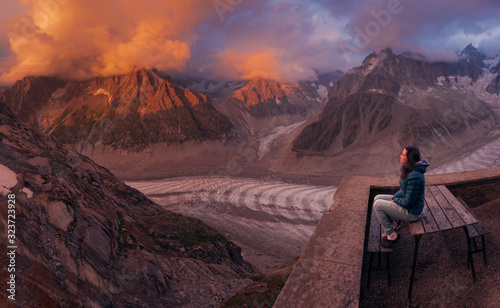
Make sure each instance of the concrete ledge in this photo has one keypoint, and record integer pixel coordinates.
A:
(328, 272)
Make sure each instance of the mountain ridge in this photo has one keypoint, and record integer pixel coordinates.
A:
(128, 112)
(393, 101)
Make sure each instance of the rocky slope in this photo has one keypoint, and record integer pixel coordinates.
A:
(391, 101)
(129, 112)
(494, 86)
(85, 239)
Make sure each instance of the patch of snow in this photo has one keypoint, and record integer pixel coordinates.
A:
(266, 141)
(482, 158)
(465, 85)
(58, 93)
(441, 80)
(372, 64)
(322, 91)
(8, 179)
(102, 91)
(492, 62)
(277, 100)
(331, 84)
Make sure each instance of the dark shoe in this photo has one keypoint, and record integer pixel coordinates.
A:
(387, 243)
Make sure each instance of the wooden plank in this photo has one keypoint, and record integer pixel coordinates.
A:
(374, 235)
(459, 208)
(472, 231)
(478, 227)
(417, 227)
(481, 229)
(452, 215)
(436, 211)
(428, 220)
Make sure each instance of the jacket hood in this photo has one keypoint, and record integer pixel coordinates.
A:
(421, 166)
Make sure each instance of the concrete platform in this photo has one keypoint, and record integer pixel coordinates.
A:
(328, 272)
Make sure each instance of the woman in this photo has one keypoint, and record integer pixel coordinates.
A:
(408, 202)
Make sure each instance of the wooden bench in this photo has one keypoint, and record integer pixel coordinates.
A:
(375, 247)
(472, 233)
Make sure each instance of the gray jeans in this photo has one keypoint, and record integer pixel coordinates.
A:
(387, 211)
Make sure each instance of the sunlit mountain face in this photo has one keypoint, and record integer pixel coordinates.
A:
(130, 111)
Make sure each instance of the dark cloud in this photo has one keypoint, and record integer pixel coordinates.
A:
(429, 27)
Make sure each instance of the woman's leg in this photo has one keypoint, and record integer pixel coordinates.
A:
(386, 211)
(386, 198)
(383, 197)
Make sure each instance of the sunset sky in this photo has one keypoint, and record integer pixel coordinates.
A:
(232, 39)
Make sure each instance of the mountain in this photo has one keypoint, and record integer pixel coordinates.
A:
(392, 101)
(30, 94)
(216, 89)
(85, 239)
(266, 98)
(263, 99)
(129, 112)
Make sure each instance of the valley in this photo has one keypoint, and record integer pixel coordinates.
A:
(269, 219)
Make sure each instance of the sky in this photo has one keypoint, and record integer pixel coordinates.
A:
(286, 40)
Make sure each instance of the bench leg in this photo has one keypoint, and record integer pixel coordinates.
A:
(388, 269)
(470, 260)
(370, 265)
(379, 266)
(412, 276)
(484, 250)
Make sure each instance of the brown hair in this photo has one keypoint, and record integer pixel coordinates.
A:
(413, 155)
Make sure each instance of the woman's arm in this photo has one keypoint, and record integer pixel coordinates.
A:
(412, 193)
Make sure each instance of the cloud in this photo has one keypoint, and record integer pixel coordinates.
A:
(232, 39)
(423, 26)
(81, 39)
(285, 40)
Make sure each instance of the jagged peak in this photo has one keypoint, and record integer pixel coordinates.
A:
(471, 52)
(262, 82)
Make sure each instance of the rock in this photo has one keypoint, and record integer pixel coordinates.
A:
(494, 86)
(59, 215)
(211, 289)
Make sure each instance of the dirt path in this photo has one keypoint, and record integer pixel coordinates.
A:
(270, 220)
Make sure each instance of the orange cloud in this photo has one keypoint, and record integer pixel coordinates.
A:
(260, 64)
(268, 64)
(80, 39)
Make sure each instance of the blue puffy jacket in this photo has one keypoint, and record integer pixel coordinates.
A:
(411, 194)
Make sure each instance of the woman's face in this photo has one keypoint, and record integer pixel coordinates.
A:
(403, 158)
